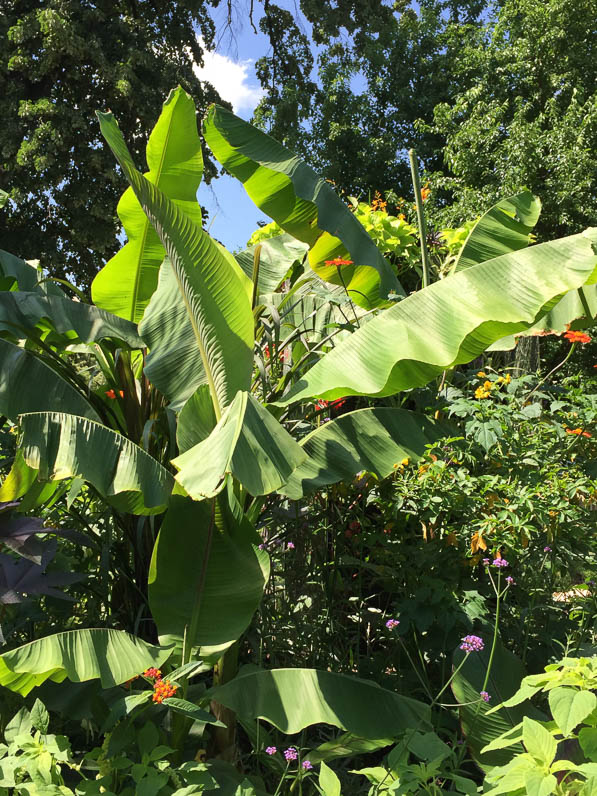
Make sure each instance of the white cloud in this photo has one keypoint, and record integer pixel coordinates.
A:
(233, 80)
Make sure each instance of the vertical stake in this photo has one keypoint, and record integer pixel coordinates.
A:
(414, 170)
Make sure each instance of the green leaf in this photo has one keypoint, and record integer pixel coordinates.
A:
(24, 276)
(428, 746)
(451, 321)
(538, 741)
(587, 737)
(292, 699)
(212, 288)
(196, 420)
(63, 446)
(328, 781)
(232, 569)
(40, 718)
(191, 711)
(347, 745)
(29, 385)
(113, 656)
(376, 440)
(276, 258)
(539, 784)
(20, 312)
(569, 707)
(127, 281)
(504, 228)
(303, 204)
(480, 725)
(249, 443)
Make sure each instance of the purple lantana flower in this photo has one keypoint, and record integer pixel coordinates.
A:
(392, 623)
(270, 750)
(484, 696)
(472, 644)
(290, 754)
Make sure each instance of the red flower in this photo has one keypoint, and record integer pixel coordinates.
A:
(577, 337)
(153, 672)
(112, 394)
(331, 404)
(163, 689)
(338, 262)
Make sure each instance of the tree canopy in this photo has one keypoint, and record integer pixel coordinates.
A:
(61, 61)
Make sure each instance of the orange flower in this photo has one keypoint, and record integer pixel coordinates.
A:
(338, 262)
(163, 689)
(425, 192)
(112, 394)
(379, 203)
(577, 337)
(153, 672)
(578, 432)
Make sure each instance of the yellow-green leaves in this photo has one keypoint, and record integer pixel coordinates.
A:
(127, 282)
(303, 204)
(212, 289)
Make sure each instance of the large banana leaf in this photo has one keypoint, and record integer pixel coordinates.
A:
(569, 313)
(504, 228)
(303, 204)
(276, 258)
(375, 440)
(113, 656)
(212, 287)
(62, 446)
(28, 385)
(292, 699)
(451, 321)
(248, 443)
(20, 312)
(17, 274)
(127, 281)
(203, 578)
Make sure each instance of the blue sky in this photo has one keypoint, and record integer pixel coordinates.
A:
(231, 69)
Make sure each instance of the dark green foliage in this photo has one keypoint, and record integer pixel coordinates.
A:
(60, 62)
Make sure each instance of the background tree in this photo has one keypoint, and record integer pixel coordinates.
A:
(530, 118)
(60, 61)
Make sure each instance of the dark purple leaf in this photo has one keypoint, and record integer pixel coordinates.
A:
(19, 577)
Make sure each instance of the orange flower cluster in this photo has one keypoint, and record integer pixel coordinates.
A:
(379, 203)
(578, 431)
(338, 262)
(153, 672)
(577, 337)
(425, 192)
(163, 689)
(112, 394)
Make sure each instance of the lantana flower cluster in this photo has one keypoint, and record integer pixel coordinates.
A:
(162, 689)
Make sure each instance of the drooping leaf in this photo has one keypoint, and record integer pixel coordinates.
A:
(212, 287)
(303, 204)
(481, 727)
(196, 420)
(127, 281)
(377, 440)
(62, 446)
(113, 656)
(347, 745)
(292, 699)
(203, 578)
(451, 321)
(328, 781)
(29, 385)
(504, 228)
(20, 275)
(20, 312)
(276, 258)
(249, 443)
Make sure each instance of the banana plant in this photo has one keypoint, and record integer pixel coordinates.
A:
(193, 351)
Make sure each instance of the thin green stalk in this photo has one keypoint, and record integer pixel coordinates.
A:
(414, 170)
